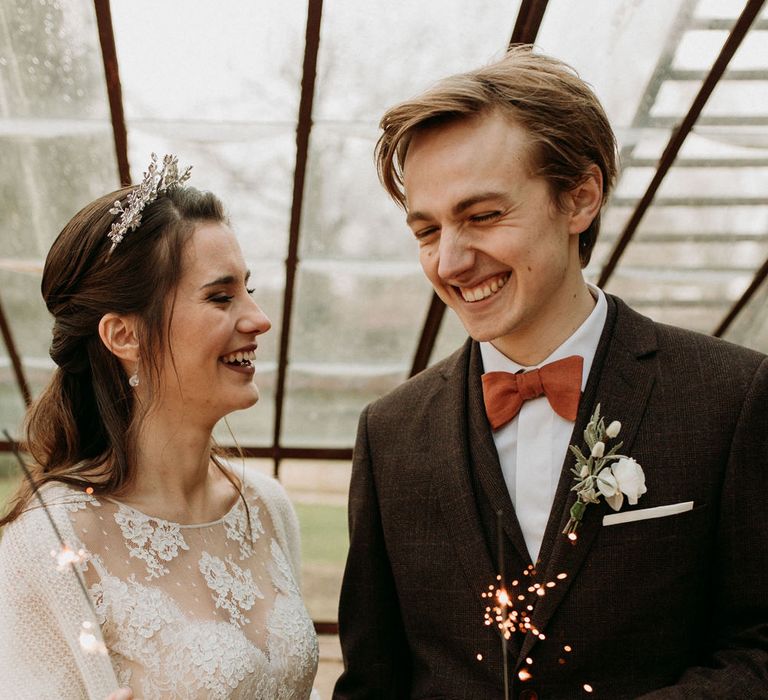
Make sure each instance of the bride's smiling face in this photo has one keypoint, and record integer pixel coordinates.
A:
(207, 369)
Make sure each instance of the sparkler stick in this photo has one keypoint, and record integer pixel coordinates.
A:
(504, 610)
(88, 641)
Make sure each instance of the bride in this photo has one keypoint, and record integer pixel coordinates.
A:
(177, 577)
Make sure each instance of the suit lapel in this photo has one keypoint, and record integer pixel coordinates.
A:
(620, 381)
(451, 476)
(453, 483)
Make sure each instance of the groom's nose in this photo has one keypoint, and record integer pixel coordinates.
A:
(456, 255)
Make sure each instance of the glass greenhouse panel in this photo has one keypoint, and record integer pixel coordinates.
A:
(352, 340)
(699, 48)
(622, 75)
(750, 327)
(347, 214)
(31, 323)
(44, 181)
(231, 61)
(323, 405)
(50, 62)
(11, 401)
(451, 337)
(730, 100)
(377, 53)
(719, 9)
(318, 490)
(663, 293)
(253, 176)
(358, 313)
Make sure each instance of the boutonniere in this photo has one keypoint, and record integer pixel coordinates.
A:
(604, 472)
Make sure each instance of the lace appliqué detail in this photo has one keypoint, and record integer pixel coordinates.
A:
(170, 640)
(236, 527)
(281, 572)
(70, 500)
(213, 657)
(235, 589)
(149, 539)
(290, 629)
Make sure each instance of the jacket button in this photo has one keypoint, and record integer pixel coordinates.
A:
(528, 694)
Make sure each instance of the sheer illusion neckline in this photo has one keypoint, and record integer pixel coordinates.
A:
(230, 511)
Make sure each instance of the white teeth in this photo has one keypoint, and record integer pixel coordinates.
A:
(484, 291)
(240, 356)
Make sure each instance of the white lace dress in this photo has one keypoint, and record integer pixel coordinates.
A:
(186, 611)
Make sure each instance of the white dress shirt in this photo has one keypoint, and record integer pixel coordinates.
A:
(532, 446)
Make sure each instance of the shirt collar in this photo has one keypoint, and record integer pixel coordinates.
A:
(583, 341)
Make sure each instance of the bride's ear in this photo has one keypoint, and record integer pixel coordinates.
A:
(120, 335)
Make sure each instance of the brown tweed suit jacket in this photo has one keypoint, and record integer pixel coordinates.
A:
(672, 607)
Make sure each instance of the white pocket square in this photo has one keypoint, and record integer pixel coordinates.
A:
(629, 516)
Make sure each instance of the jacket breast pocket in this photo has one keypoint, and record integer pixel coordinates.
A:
(688, 526)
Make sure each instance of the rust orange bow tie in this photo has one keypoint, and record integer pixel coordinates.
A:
(560, 382)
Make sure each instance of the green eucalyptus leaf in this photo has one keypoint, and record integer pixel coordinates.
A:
(581, 459)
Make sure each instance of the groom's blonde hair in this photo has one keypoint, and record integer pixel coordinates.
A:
(567, 125)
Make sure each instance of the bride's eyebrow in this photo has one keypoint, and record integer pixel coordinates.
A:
(225, 280)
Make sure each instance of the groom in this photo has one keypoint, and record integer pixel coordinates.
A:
(464, 471)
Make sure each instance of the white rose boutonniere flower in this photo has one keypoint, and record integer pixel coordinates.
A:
(604, 472)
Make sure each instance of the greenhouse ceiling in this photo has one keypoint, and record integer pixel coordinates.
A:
(276, 104)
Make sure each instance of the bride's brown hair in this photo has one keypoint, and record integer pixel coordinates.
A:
(81, 429)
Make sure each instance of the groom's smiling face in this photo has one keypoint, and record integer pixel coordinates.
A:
(492, 241)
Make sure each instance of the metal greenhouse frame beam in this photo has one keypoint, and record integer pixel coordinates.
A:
(303, 129)
(428, 337)
(342, 454)
(526, 29)
(114, 90)
(679, 134)
(758, 279)
(13, 354)
(528, 22)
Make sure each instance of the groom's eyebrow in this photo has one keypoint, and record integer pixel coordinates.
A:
(461, 206)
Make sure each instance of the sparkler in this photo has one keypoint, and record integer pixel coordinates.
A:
(501, 610)
(66, 558)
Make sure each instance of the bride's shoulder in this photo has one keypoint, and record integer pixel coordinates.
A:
(54, 501)
(49, 520)
(264, 490)
(267, 489)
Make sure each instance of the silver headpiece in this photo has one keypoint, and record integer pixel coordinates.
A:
(156, 181)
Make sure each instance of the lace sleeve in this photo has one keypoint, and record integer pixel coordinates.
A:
(283, 516)
(41, 614)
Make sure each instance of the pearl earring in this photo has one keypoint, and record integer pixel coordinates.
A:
(133, 380)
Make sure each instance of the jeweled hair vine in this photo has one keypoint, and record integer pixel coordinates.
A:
(157, 181)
